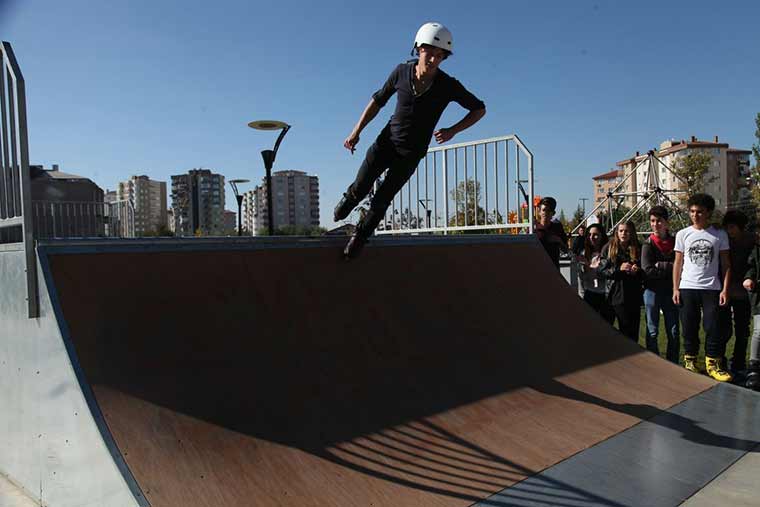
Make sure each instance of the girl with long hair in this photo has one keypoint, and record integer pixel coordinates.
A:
(621, 264)
(592, 280)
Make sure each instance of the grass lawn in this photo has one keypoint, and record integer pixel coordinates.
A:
(662, 340)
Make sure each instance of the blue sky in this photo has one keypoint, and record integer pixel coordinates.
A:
(159, 87)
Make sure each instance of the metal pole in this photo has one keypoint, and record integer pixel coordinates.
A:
(240, 214)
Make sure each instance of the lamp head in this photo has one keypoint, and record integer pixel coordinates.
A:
(268, 125)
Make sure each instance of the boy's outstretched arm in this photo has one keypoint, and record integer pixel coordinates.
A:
(367, 116)
(470, 119)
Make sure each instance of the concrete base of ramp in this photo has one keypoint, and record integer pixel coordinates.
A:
(12, 496)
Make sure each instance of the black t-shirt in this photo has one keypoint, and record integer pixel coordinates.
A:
(552, 237)
(415, 117)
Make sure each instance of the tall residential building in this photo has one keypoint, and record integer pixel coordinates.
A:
(605, 183)
(198, 203)
(230, 222)
(729, 169)
(249, 212)
(148, 199)
(295, 201)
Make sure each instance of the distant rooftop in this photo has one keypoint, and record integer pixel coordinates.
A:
(609, 175)
(38, 171)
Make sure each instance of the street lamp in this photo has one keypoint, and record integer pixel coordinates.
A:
(269, 156)
(239, 198)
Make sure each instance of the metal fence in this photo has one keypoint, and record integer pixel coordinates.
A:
(83, 219)
(15, 191)
(478, 185)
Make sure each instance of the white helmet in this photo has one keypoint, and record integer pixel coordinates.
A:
(434, 34)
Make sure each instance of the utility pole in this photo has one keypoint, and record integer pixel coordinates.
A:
(584, 199)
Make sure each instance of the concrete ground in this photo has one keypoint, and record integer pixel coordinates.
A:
(737, 486)
(11, 496)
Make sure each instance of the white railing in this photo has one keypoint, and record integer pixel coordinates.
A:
(15, 190)
(466, 187)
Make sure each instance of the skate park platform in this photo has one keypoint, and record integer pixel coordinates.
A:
(431, 371)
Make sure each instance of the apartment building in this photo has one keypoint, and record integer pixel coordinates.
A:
(198, 203)
(148, 199)
(605, 183)
(295, 201)
(727, 175)
(230, 222)
(249, 212)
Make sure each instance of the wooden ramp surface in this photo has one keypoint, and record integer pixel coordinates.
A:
(428, 372)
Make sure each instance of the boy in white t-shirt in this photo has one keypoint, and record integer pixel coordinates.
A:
(701, 252)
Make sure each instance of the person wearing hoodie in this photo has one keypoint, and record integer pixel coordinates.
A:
(752, 380)
(657, 256)
(738, 310)
(592, 280)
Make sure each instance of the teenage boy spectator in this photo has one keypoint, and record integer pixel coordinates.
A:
(579, 242)
(592, 280)
(701, 251)
(657, 256)
(751, 284)
(621, 265)
(738, 307)
(551, 234)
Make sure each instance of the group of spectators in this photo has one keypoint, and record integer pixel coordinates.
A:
(704, 273)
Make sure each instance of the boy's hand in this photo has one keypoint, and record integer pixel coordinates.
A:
(723, 301)
(351, 142)
(749, 284)
(634, 268)
(443, 135)
(676, 297)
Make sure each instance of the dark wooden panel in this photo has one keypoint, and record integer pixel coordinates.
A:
(418, 375)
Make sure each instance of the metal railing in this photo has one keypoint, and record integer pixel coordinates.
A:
(466, 187)
(54, 219)
(15, 191)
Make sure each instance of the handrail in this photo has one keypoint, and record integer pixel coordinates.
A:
(15, 188)
(474, 179)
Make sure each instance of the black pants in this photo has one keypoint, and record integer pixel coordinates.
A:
(598, 301)
(629, 318)
(380, 156)
(692, 301)
(741, 311)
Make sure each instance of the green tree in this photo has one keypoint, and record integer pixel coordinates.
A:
(578, 217)
(756, 146)
(755, 172)
(563, 219)
(467, 198)
(693, 168)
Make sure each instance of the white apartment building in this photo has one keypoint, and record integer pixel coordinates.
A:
(148, 198)
(295, 201)
(728, 172)
(249, 213)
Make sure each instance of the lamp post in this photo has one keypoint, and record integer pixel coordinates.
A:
(269, 156)
(239, 198)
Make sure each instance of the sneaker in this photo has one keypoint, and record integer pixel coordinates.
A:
(354, 246)
(344, 207)
(716, 371)
(690, 363)
(752, 380)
